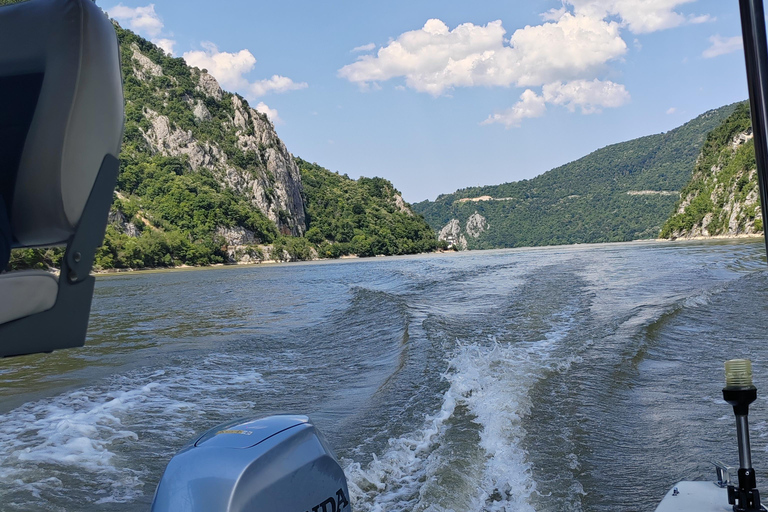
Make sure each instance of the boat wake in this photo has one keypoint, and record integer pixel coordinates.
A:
(470, 455)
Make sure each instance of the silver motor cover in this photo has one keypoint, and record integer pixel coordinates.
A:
(276, 463)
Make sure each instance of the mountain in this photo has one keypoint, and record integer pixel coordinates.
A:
(722, 197)
(621, 192)
(205, 179)
(365, 217)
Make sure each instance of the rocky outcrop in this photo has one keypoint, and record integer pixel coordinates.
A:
(476, 224)
(144, 68)
(274, 185)
(452, 234)
(122, 223)
(209, 86)
(402, 206)
(457, 237)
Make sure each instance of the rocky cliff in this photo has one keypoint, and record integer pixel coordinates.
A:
(456, 235)
(210, 129)
(722, 198)
(204, 178)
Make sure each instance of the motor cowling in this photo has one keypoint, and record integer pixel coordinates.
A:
(275, 463)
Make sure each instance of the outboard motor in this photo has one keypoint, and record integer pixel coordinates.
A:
(280, 463)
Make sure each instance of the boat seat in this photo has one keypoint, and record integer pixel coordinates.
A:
(26, 292)
(61, 126)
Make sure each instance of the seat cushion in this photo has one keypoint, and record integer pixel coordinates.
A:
(25, 293)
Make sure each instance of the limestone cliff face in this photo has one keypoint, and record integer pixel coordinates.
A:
(456, 235)
(722, 198)
(273, 182)
(476, 224)
(452, 234)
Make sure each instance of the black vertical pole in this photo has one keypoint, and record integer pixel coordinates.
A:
(756, 55)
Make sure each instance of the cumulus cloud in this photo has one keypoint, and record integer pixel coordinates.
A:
(230, 70)
(275, 84)
(704, 18)
(140, 19)
(436, 59)
(638, 16)
(145, 21)
(722, 45)
(271, 113)
(364, 48)
(589, 96)
(166, 44)
(565, 55)
(530, 105)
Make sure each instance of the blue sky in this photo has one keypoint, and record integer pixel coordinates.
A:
(439, 95)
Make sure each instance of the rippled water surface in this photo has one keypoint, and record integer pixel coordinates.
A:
(555, 379)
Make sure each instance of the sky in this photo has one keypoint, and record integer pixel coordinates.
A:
(437, 95)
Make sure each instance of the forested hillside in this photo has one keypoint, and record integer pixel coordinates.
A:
(722, 197)
(365, 217)
(621, 192)
(205, 179)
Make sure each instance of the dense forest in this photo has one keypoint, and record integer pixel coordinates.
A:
(722, 197)
(621, 192)
(364, 217)
(201, 171)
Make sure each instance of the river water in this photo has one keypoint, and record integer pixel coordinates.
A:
(553, 379)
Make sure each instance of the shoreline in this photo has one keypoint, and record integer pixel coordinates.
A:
(742, 236)
(182, 268)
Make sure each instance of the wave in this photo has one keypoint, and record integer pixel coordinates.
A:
(469, 455)
(81, 446)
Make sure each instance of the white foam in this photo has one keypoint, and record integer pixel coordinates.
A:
(85, 435)
(492, 382)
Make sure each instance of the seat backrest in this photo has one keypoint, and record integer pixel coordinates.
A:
(61, 126)
(60, 72)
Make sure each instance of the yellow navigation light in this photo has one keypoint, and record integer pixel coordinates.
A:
(738, 373)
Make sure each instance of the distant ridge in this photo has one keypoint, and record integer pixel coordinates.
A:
(621, 192)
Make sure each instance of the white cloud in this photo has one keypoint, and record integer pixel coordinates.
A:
(275, 84)
(271, 113)
(166, 44)
(589, 96)
(554, 14)
(140, 19)
(671, 110)
(573, 47)
(364, 48)
(530, 105)
(640, 16)
(704, 18)
(722, 45)
(230, 70)
(435, 59)
(145, 21)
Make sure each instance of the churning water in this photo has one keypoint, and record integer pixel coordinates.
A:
(555, 379)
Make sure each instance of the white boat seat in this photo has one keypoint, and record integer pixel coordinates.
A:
(25, 293)
(61, 125)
